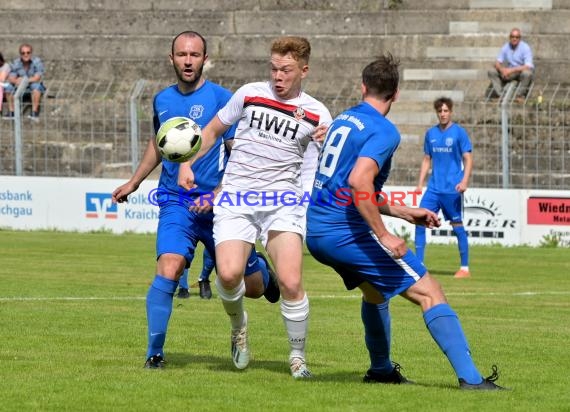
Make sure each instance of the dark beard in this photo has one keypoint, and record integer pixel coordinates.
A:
(190, 84)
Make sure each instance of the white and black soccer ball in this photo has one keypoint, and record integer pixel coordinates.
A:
(178, 139)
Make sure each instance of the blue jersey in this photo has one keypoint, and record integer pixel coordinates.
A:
(201, 106)
(361, 131)
(446, 149)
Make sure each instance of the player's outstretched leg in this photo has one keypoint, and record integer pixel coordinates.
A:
(446, 330)
(270, 282)
(377, 336)
(158, 310)
(233, 305)
(296, 317)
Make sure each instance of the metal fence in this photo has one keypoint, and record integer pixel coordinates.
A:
(100, 129)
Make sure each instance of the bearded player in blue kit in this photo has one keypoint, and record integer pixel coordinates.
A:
(447, 149)
(351, 236)
(183, 219)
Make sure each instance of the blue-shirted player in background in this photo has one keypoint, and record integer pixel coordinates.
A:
(208, 265)
(447, 149)
(345, 231)
(180, 229)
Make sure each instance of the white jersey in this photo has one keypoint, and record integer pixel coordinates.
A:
(271, 138)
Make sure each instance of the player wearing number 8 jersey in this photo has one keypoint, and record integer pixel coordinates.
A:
(276, 121)
(352, 239)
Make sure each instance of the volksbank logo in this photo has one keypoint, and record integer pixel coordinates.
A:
(99, 206)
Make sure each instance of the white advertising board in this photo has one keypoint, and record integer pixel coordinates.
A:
(507, 217)
(71, 204)
(500, 216)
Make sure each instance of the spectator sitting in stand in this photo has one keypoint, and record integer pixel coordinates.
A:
(31, 67)
(514, 62)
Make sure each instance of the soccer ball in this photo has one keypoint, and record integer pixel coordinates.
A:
(178, 139)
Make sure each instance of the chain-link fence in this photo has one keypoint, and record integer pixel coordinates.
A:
(100, 129)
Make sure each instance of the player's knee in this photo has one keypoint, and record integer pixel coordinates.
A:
(291, 288)
(426, 292)
(171, 266)
(229, 276)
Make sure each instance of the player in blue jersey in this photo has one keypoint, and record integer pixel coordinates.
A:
(208, 265)
(447, 150)
(183, 220)
(345, 231)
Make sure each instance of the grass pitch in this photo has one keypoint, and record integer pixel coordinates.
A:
(73, 335)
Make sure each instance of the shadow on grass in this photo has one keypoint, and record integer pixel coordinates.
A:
(356, 377)
(441, 272)
(224, 364)
(220, 363)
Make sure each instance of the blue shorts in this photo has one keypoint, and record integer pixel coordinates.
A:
(359, 258)
(451, 204)
(180, 230)
(10, 88)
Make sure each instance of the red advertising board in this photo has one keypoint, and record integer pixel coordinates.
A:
(548, 211)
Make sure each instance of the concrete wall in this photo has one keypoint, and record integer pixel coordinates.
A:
(97, 38)
(446, 46)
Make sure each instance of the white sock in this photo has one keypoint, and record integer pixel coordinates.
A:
(466, 268)
(233, 303)
(296, 318)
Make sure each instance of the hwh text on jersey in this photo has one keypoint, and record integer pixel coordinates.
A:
(274, 124)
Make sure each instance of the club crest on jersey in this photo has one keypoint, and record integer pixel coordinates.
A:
(196, 111)
(449, 141)
(299, 113)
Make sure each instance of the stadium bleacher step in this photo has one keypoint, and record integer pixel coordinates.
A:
(511, 4)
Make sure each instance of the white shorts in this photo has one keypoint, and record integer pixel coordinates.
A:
(234, 221)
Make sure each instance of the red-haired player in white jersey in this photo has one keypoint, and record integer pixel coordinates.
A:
(261, 191)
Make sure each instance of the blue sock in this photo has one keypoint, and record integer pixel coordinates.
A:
(263, 267)
(377, 335)
(445, 328)
(158, 310)
(463, 244)
(208, 265)
(183, 281)
(420, 241)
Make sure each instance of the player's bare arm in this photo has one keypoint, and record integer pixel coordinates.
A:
(361, 180)
(209, 135)
(467, 168)
(205, 204)
(151, 158)
(415, 215)
(424, 168)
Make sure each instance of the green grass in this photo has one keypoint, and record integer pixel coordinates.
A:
(73, 335)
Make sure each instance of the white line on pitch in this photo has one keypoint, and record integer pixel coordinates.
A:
(69, 298)
(344, 296)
